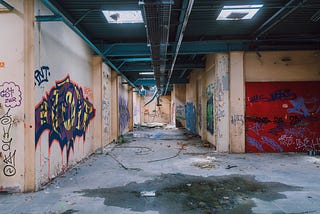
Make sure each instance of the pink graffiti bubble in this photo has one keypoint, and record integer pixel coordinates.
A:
(10, 94)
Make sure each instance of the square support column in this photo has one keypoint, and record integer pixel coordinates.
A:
(222, 102)
(237, 103)
(29, 120)
(97, 91)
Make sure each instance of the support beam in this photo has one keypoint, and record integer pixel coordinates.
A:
(6, 5)
(50, 18)
(97, 90)
(222, 102)
(29, 94)
(237, 103)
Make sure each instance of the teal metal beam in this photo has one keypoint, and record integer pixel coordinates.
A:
(50, 18)
(65, 20)
(145, 68)
(146, 59)
(6, 5)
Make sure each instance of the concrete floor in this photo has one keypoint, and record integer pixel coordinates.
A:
(170, 171)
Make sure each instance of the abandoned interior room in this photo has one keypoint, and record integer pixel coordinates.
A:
(159, 106)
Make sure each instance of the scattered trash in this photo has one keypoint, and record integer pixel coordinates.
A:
(148, 193)
(189, 185)
(229, 167)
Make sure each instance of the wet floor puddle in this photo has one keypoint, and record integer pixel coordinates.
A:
(177, 193)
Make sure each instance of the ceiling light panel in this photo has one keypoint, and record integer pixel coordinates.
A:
(239, 12)
(123, 16)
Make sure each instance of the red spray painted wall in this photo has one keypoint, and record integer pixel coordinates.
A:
(282, 116)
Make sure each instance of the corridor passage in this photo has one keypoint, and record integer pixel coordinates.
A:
(169, 171)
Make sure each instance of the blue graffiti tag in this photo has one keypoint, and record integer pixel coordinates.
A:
(299, 107)
(191, 117)
(254, 143)
(272, 143)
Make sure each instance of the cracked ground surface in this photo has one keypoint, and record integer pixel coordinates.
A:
(172, 171)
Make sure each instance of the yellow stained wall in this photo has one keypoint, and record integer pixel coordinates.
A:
(152, 113)
(273, 66)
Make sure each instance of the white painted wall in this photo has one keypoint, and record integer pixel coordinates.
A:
(66, 55)
(11, 98)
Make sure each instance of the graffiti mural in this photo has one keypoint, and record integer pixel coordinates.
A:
(10, 94)
(191, 116)
(124, 114)
(282, 117)
(65, 113)
(210, 110)
(9, 160)
(41, 75)
(180, 112)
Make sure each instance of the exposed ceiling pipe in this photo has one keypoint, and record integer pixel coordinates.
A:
(154, 96)
(65, 20)
(277, 21)
(184, 25)
(157, 16)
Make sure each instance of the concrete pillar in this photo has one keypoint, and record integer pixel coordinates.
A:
(180, 103)
(29, 120)
(97, 102)
(222, 102)
(173, 107)
(130, 108)
(114, 106)
(237, 103)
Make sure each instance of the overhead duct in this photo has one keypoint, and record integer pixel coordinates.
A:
(156, 16)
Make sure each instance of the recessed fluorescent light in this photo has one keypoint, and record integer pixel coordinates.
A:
(239, 12)
(123, 16)
(146, 73)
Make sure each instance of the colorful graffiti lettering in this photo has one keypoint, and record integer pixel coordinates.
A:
(9, 160)
(283, 94)
(210, 109)
(124, 114)
(191, 117)
(283, 117)
(10, 93)
(41, 75)
(210, 120)
(65, 113)
(180, 112)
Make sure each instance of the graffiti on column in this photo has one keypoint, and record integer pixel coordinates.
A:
(9, 160)
(65, 113)
(10, 94)
(210, 120)
(282, 116)
(124, 114)
(41, 75)
(191, 115)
